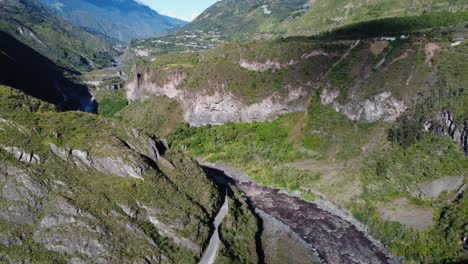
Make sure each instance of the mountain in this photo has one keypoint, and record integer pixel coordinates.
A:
(250, 19)
(42, 55)
(66, 45)
(348, 146)
(371, 117)
(29, 71)
(247, 20)
(120, 20)
(79, 188)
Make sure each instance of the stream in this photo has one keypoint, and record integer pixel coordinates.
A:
(334, 239)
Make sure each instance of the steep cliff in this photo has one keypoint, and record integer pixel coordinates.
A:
(79, 188)
(235, 83)
(370, 80)
(445, 125)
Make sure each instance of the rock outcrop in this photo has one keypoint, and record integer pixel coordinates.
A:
(381, 107)
(131, 166)
(219, 106)
(445, 125)
(272, 65)
(435, 188)
(133, 162)
(22, 156)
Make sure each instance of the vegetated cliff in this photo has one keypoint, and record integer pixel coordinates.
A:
(236, 82)
(79, 188)
(445, 125)
(370, 80)
(340, 148)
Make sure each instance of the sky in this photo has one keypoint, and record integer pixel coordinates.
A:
(183, 9)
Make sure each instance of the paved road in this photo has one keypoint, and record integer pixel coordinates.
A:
(212, 251)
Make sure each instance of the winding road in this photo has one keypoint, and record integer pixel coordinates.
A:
(335, 239)
(211, 252)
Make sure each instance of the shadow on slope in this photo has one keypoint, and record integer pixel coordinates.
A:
(27, 70)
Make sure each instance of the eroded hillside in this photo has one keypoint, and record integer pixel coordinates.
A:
(81, 188)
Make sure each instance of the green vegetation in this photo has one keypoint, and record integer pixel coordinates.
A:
(240, 220)
(331, 134)
(66, 45)
(357, 165)
(448, 94)
(438, 244)
(110, 102)
(239, 143)
(160, 115)
(399, 25)
(256, 147)
(308, 197)
(242, 20)
(396, 171)
(355, 160)
(328, 15)
(180, 193)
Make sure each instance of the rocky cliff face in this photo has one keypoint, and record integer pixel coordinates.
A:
(215, 107)
(444, 124)
(382, 107)
(77, 188)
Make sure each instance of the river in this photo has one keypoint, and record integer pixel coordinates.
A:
(335, 239)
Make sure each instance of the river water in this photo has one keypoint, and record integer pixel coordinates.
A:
(333, 238)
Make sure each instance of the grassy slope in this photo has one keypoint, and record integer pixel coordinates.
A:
(241, 20)
(327, 15)
(210, 69)
(31, 124)
(244, 20)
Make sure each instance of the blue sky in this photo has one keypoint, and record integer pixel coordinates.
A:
(182, 9)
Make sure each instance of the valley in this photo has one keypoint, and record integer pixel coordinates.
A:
(334, 239)
(260, 132)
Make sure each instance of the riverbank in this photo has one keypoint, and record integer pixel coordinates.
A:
(335, 236)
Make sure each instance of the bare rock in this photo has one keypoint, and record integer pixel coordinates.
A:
(444, 124)
(218, 107)
(21, 197)
(65, 229)
(435, 188)
(23, 156)
(151, 214)
(381, 107)
(131, 166)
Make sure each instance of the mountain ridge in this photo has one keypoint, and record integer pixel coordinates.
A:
(120, 20)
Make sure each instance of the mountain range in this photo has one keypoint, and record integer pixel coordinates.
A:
(265, 131)
(119, 20)
(66, 44)
(252, 19)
